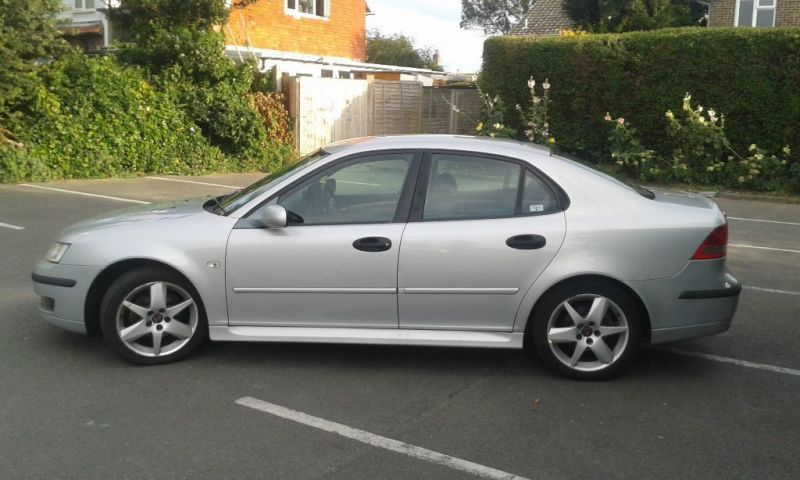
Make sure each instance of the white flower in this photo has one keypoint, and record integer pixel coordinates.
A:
(492, 134)
(536, 100)
(546, 85)
(531, 82)
(497, 126)
(700, 108)
(191, 129)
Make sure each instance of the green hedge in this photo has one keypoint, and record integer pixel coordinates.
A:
(752, 76)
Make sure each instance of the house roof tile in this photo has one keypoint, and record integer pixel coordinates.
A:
(545, 17)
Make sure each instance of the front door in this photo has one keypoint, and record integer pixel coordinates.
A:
(335, 263)
(484, 232)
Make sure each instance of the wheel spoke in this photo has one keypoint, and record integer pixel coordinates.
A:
(176, 309)
(158, 296)
(576, 355)
(598, 310)
(178, 329)
(563, 335)
(137, 309)
(157, 335)
(575, 316)
(612, 330)
(135, 331)
(601, 351)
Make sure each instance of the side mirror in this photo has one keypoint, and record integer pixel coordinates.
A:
(274, 216)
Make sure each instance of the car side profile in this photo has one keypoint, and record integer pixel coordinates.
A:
(414, 240)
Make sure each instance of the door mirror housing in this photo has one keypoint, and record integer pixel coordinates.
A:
(274, 216)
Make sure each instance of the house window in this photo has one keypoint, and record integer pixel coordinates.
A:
(317, 8)
(84, 4)
(755, 13)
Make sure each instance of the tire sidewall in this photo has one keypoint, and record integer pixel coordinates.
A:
(126, 283)
(552, 299)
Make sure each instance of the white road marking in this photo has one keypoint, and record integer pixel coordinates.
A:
(12, 227)
(763, 221)
(361, 183)
(787, 250)
(233, 187)
(771, 290)
(734, 361)
(74, 192)
(378, 440)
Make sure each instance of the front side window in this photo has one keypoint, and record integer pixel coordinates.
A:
(463, 187)
(755, 13)
(366, 190)
(318, 8)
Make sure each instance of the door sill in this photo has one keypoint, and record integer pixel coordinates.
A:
(368, 336)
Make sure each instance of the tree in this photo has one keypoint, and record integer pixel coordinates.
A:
(27, 35)
(399, 50)
(493, 16)
(602, 16)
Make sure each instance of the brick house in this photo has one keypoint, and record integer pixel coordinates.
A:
(753, 13)
(321, 38)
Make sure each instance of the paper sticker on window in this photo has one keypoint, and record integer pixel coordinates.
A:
(536, 207)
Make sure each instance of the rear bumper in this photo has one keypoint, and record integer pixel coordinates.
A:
(62, 290)
(699, 301)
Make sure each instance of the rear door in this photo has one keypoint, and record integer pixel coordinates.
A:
(482, 229)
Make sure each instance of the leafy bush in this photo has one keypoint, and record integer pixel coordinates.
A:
(92, 118)
(274, 115)
(751, 74)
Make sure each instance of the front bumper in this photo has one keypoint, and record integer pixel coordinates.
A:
(699, 301)
(62, 290)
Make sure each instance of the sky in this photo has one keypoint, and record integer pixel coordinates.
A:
(432, 23)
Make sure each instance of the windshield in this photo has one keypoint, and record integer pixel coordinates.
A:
(619, 180)
(241, 197)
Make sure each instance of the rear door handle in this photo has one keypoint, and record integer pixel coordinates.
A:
(372, 244)
(526, 242)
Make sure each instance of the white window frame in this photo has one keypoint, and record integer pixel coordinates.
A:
(83, 6)
(756, 7)
(295, 12)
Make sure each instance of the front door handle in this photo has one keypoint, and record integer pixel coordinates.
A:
(526, 242)
(372, 244)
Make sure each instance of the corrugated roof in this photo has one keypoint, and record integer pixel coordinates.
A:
(545, 17)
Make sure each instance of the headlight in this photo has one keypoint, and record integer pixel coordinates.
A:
(56, 252)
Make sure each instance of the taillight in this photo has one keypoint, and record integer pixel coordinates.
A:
(714, 246)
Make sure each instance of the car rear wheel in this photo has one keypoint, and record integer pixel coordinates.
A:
(587, 330)
(153, 315)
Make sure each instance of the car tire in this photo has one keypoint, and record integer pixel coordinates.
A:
(586, 330)
(153, 315)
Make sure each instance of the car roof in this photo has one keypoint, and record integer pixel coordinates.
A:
(454, 142)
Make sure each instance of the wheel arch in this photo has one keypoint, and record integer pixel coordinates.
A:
(106, 277)
(641, 307)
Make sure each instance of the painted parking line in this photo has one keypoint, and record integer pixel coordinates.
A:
(771, 290)
(733, 361)
(179, 180)
(759, 220)
(85, 194)
(10, 226)
(378, 441)
(756, 247)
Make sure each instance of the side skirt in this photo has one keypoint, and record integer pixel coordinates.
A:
(368, 336)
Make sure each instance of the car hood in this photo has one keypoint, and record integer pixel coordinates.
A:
(162, 212)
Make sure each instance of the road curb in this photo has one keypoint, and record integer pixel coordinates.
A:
(759, 197)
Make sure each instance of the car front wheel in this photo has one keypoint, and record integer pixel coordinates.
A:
(587, 330)
(153, 315)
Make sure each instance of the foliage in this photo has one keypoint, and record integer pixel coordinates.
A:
(142, 15)
(750, 74)
(91, 118)
(494, 17)
(535, 126)
(603, 16)
(701, 154)
(27, 34)
(274, 115)
(492, 122)
(399, 49)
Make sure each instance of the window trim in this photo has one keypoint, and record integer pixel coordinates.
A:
(83, 7)
(403, 204)
(756, 7)
(295, 12)
(418, 203)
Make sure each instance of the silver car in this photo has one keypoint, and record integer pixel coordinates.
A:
(412, 240)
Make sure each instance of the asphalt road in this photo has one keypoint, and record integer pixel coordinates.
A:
(69, 408)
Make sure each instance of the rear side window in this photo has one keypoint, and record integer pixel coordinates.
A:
(463, 187)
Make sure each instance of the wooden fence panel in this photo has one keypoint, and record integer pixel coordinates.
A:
(396, 107)
(438, 115)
